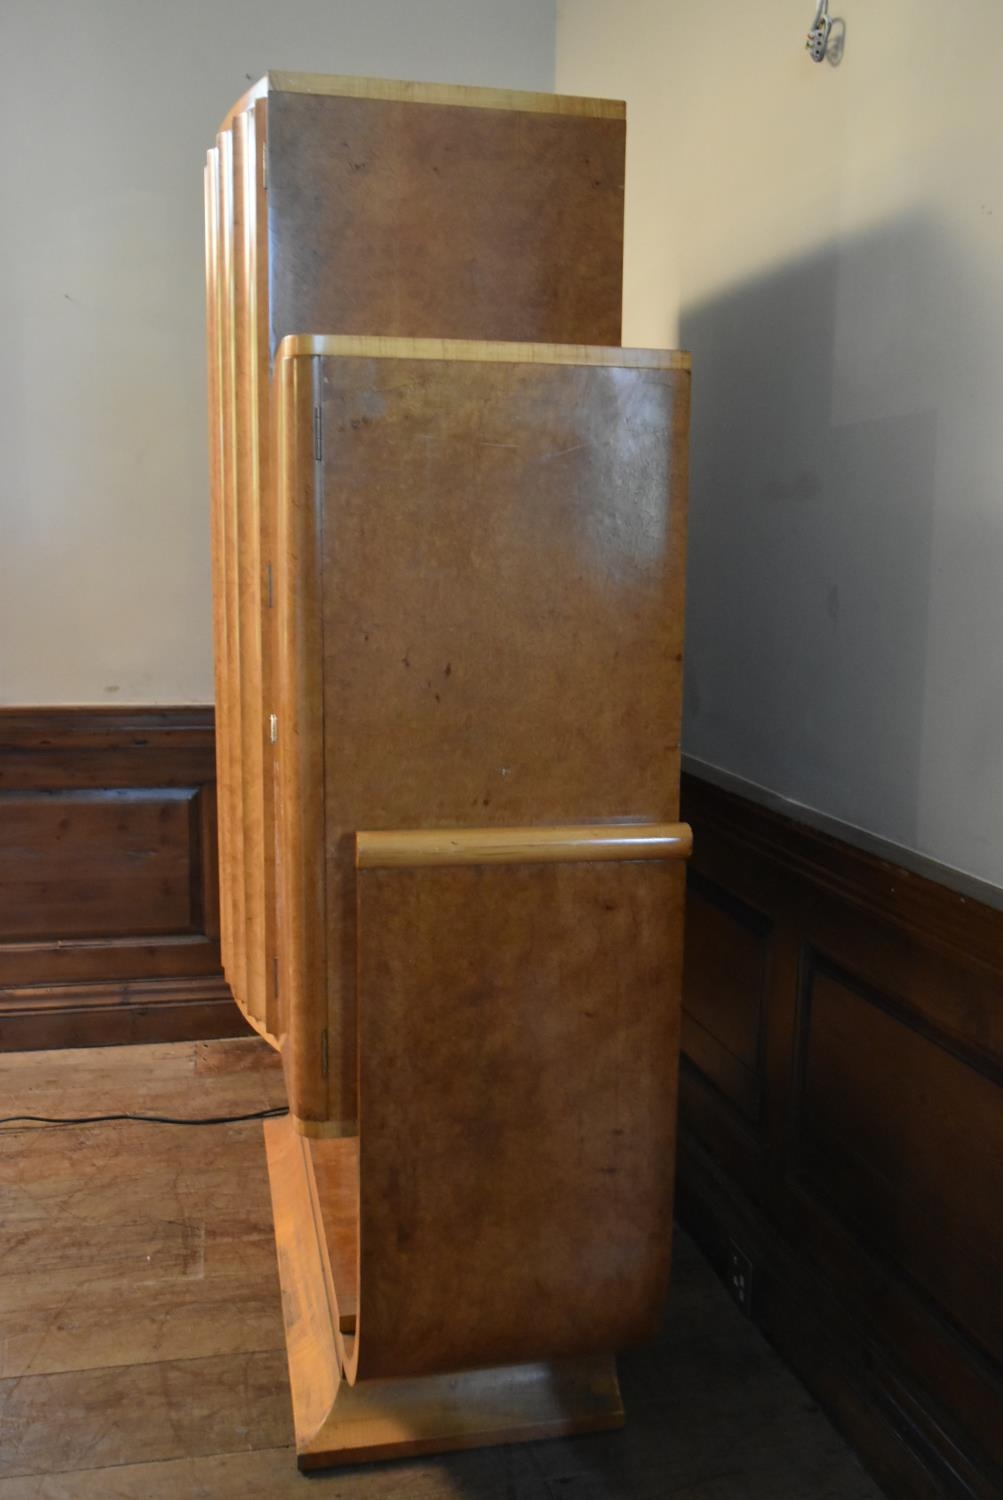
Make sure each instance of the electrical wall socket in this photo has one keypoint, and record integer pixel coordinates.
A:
(817, 40)
(740, 1277)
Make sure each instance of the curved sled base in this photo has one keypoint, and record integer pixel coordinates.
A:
(337, 1423)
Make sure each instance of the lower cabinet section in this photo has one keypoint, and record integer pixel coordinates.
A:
(108, 878)
(842, 1128)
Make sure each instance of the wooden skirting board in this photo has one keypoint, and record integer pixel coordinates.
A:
(315, 1205)
(841, 1128)
(109, 878)
(116, 1012)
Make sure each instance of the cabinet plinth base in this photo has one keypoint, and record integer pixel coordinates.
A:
(337, 1423)
(381, 1419)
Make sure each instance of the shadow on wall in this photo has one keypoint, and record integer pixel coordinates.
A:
(814, 454)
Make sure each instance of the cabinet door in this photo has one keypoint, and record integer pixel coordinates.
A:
(480, 605)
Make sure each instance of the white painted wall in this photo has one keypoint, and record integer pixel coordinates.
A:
(107, 109)
(829, 243)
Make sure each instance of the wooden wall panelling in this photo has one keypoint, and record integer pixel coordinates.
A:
(109, 915)
(726, 997)
(92, 862)
(872, 1208)
(739, 997)
(896, 1131)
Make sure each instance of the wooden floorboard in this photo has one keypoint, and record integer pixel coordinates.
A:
(141, 1346)
(175, 1077)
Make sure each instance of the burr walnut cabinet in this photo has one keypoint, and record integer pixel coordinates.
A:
(448, 539)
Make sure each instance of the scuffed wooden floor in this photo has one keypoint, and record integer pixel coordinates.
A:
(141, 1350)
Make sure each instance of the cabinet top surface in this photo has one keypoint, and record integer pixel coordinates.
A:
(460, 95)
(355, 346)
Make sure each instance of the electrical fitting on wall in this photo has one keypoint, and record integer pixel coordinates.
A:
(817, 40)
(826, 39)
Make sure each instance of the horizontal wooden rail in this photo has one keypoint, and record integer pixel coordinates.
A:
(511, 846)
(479, 351)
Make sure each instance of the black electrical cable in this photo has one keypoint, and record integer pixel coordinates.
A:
(260, 1114)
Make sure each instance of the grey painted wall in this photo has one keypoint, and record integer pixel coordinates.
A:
(107, 109)
(828, 241)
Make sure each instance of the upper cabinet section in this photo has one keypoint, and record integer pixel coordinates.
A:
(356, 207)
(417, 210)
